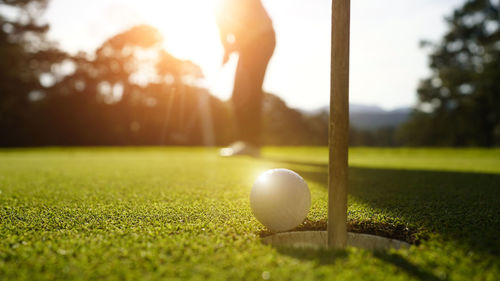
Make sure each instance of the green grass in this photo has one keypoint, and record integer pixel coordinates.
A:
(183, 214)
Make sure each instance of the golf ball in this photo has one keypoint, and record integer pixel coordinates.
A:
(280, 199)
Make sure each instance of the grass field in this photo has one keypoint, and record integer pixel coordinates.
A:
(184, 214)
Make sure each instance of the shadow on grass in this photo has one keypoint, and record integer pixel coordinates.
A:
(328, 257)
(459, 206)
(409, 268)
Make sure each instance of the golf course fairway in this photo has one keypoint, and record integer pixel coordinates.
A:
(184, 214)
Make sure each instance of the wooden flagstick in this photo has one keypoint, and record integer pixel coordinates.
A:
(339, 126)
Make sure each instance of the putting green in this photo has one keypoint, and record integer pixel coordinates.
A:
(183, 213)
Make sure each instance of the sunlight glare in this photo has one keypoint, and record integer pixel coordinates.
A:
(189, 27)
(190, 32)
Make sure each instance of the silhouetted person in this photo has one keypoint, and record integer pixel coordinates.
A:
(246, 28)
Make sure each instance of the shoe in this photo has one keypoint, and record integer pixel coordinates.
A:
(240, 148)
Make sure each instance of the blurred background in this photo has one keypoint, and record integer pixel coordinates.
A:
(124, 72)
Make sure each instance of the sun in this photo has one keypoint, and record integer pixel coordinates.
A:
(188, 27)
(190, 32)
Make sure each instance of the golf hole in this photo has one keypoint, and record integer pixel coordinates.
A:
(319, 240)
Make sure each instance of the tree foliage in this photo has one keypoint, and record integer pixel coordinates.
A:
(130, 91)
(460, 101)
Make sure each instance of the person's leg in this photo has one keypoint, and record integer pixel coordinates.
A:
(247, 94)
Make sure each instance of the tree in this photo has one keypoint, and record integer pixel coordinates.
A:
(130, 91)
(25, 55)
(460, 102)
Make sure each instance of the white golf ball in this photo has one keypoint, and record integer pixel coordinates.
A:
(280, 199)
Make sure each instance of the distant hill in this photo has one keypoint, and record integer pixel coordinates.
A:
(370, 117)
(357, 108)
(373, 120)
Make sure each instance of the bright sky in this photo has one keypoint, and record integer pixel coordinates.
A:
(386, 62)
